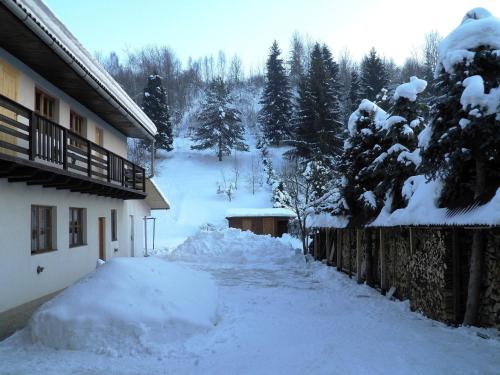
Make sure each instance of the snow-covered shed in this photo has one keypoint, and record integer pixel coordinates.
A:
(273, 221)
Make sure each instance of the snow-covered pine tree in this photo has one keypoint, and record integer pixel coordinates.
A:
(220, 124)
(355, 91)
(317, 174)
(276, 112)
(373, 75)
(154, 104)
(318, 128)
(461, 146)
(399, 156)
(357, 164)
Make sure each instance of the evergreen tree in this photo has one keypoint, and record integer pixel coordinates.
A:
(373, 75)
(399, 156)
(220, 124)
(296, 61)
(357, 165)
(355, 91)
(276, 112)
(318, 128)
(461, 145)
(154, 104)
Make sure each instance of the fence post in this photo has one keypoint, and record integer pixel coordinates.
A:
(65, 149)
(108, 166)
(89, 159)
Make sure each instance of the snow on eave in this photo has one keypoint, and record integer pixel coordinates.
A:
(69, 48)
(260, 212)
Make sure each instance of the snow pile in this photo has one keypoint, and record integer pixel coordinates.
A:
(478, 28)
(128, 306)
(411, 89)
(236, 246)
(260, 212)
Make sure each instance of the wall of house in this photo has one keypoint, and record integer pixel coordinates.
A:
(113, 140)
(19, 281)
(428, 266)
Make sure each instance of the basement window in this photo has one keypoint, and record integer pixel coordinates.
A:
(42, 229)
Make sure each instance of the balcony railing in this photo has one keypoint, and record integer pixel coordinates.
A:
(25, 135)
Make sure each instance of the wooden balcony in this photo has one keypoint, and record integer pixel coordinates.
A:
(38, 151)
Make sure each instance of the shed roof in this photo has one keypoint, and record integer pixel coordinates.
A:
(260, 212)
(155, 198)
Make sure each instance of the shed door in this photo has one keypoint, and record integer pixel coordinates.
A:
(246, 224)
(268, 225)
(9, 80)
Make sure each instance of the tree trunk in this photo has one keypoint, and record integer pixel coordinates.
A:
(476, 257)
(219, 154)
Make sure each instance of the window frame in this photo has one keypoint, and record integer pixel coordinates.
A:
(114, 224)
(79, 224)
(41, 98)
(49, 230)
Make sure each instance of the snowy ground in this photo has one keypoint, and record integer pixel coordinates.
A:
(281, 315)
(189, 179)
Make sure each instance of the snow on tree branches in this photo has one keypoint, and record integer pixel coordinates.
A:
(220, 124)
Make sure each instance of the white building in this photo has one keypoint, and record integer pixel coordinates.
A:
(68, 195)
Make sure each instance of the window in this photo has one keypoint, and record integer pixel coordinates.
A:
(114, 232)
(42, 229)
(76, 227)
(77, 123)
(45, 105)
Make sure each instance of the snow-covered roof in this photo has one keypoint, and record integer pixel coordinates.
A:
(40, 19)
(422, 208)
(260, 212)
(478, 28)
(325, 220)
(155, 198)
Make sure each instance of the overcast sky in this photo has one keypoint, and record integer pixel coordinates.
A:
(202, 27)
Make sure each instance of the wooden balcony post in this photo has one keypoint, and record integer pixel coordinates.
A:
(89, 159)
(133, 176)
(108, 165)
(123, 172)
(65, 149)
(32, 134)
(143, 180)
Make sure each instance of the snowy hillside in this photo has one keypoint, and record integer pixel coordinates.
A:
(191, 178)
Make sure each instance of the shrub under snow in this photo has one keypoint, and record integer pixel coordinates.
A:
(127, 306)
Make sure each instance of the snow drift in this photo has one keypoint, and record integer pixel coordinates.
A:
(128, 304)
(236, 246)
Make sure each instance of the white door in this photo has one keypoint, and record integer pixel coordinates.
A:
(132, 251)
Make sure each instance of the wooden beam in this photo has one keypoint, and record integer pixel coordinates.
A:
(456, 279)
(383, 263)
(359, 257)
(339, 249)
(327, 244)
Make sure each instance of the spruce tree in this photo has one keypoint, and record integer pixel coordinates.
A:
(357, 166)
(355, 91)
(399, 156)
(318, 128)
(373, 75)
(154, 104)
(276, 112)
(461, 145)
(220, 124)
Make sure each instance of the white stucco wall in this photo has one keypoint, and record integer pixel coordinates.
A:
(19, 281)
(29, 80)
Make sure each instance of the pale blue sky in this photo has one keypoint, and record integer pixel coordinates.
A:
(201, 27)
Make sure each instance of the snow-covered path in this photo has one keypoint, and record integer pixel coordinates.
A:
(285, 316)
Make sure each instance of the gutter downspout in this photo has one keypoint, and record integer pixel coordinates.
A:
(153, 152)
